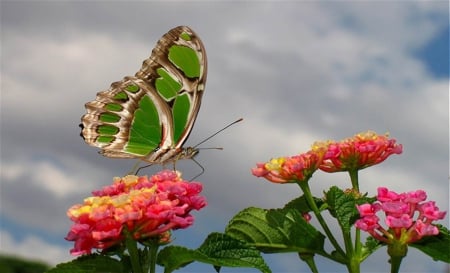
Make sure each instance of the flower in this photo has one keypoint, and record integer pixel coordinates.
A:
(358, 152)
(147, 208)
(400, 210)
(296, 168)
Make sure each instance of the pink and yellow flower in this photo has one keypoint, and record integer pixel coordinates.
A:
(296, 168)
(352, 154)
(358, 152)
(400, 210)
(147, 208)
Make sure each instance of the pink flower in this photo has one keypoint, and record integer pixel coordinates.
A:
(367, 223)
(399, 210)
(296, 168)
(415, 197)
(386, 195)
(429, 211)
(424, 229)
(358, 152)
(146, 207)
(395, 208)
(404, 221)
(367, 209)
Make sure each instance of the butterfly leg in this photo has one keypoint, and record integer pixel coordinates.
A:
(140, 168)
(201, 167)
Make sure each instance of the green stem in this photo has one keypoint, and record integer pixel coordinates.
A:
(348, 243)
(397, 251)
(353, 252)
(134, 253)
(353, 265)
(395, 263)
(358, 244)
(153, 252)
(309, 198)
(355, 255)
(354, 179)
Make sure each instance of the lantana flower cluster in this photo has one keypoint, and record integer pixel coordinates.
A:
(358, 152)
(289, 169)
(400, 211)
(351, 154)
(146, 208)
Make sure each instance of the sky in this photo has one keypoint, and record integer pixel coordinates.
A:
(296, 71)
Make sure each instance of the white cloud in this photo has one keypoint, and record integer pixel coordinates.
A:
(45, 175)
(32, 247)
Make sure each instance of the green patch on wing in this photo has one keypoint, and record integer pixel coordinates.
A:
(145, 131)
(109, 117)
(166, 85)
(180, 112)
(122, 96)
(185, 36)
(107, 130)
(186, 59)
(132, 88)
(113, 107)
(105, 139)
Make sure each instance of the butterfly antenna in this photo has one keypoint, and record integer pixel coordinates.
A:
(211, 136)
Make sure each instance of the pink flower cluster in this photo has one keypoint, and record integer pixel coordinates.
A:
(400, 210)
(351, 154)
(358, 152)
(147, 207)
(289, 169)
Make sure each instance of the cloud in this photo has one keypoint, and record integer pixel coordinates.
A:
(32, 247)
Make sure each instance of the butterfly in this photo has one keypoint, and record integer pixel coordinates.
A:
(150, 115)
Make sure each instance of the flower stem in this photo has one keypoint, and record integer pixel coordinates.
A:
(309, 198)
(354, 178)
(134, 253)
(353, 265)
(358, 244)
(396, 250)
(153, 252)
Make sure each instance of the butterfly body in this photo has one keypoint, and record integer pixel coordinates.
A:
(150, 115)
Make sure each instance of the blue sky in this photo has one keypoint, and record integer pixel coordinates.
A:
(295, 71)
(435, 54)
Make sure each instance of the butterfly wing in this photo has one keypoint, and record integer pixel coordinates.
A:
(149, 116)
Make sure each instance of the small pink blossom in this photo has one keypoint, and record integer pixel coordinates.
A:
(414, 197)
(395, 208)
(367, 209)
(385, 195)
(368, 223)
(404, 221)
(429, 211)
(424, 229)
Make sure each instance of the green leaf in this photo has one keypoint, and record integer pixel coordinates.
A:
(93, 263)
(275, 231)
(218, 250)
(437, 247)
(370, 247)
(342, 206)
